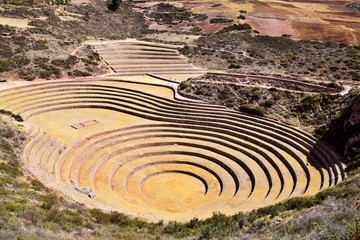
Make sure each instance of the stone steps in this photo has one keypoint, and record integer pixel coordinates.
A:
(132, 58)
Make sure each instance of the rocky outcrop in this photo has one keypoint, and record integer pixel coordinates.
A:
(355, 6)
(344, 133)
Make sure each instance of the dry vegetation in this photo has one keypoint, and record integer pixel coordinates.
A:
(44, 50)
(313, 112)
(31, 56)
(243, 52)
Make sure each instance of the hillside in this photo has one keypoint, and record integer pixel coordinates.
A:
(344, 134)
(48, 44)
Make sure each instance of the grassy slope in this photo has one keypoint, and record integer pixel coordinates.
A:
(29, 210)
(242, 51)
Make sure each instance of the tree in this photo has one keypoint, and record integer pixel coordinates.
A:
(114, 5)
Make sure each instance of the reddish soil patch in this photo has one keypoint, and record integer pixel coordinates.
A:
(321, 32)
(306, 19)
(158, 27)
(271, 27)
(303, 19)
(211, 28)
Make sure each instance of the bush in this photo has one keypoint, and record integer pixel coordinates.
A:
(173, 228)
(183, 85)
(298, 203)
(100, 217)
(220, 20)
(339, 192)
(10, 169)
(17, 117)
(234, 66)
(49, 201)
(37, 185)
(236, 27)
(321, 130)
(78, 73)
(54, 215)
(65, 63)
(218, 226)
(114, 5)
(6, 65)
(42, 44)
(253, 110)
(268, 103)
(308, 103)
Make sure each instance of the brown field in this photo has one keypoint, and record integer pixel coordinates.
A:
(310, 20)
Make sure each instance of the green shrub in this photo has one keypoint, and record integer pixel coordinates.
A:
(17, 117)
(268, 103)
(78, 73)
(321, 130)
(173, 228)
(353, 231)
(234, 66)
(6, 65)
(298, 203)
(338, 192)
(37, 185)
(76, 219)
(193, 223)
(9, 169)
(239, 219)
(6, 147)
(100, 217)
(41, 44)
(48, 201)
(50, 71)
(114, 5)
(7, 133)
(33, 215)
(20, 2)
(308, 103)
(236, 27)
(218, 226)
(183, 85)
(272, 210)
(253, 110)
(55, 216)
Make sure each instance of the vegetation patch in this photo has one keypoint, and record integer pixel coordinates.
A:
(281, 55)
(313, 112)
(236, 27)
